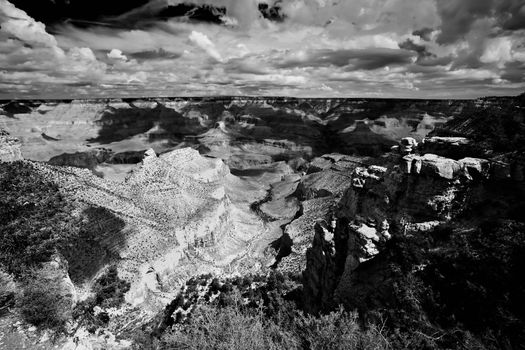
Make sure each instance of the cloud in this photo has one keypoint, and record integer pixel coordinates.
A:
(397, 48)
(159, 54)
(498, 50)
(116, 54)
(367, 59)
(19, 25)
(459, 17)
(202, 41)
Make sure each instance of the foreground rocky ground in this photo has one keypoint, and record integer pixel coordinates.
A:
(417, 238)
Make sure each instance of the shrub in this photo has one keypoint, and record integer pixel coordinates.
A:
(44, 301)
(110, 289)
(239, 327)
(338, 330)
(227, 328)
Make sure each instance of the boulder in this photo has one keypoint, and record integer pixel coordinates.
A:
(432, 165)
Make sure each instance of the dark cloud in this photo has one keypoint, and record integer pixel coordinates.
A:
(154, 54)
(435, 61)
(411, 46)
(128, 13)
(423, 33)
(425, 57)
(57, 11)
(513, 72)
(273, 12)
(205, 13)
(367, 59)
(512, 13)
(458, 17)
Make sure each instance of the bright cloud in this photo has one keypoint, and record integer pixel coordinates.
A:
(202, 41)
(116, 54)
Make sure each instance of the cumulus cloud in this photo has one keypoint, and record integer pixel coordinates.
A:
(498, 51)
(116, 54)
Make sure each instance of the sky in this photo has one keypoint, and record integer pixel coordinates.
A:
(301, 48)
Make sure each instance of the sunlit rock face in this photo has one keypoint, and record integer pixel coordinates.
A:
(184, 214)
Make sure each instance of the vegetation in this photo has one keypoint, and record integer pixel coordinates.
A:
(44, 301)
(253, 312)
(34, 217)
(454, 288)
(36, 221)
(239, 327)
(36, 224)
(109, 290)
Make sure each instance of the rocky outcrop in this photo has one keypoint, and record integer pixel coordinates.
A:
(411, 194)
(9, 148)
(318, 191)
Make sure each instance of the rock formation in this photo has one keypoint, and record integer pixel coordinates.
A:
(9, 148)
(413, 192)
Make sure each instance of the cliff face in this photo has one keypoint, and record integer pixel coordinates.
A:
(182, 213)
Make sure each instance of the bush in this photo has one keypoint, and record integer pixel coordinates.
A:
(228, 328)
(109, 292)
(43, 301)
(338, 330)
(110, 289)
(238, 327)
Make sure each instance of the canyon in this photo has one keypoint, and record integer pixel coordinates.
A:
(320, 188)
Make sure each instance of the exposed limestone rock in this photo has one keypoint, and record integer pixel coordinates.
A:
(9, 148)
(439, 166)
(433, 165)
